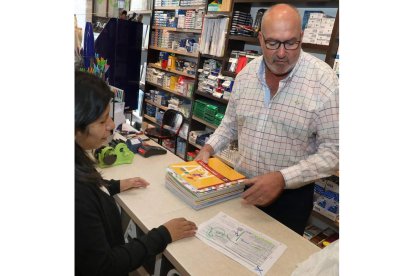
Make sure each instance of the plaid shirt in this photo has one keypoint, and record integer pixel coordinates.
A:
(296, 132)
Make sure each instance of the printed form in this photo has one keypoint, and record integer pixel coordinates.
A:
(243, 244)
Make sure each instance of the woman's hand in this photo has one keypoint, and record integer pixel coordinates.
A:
(180, 228)
(135, 182)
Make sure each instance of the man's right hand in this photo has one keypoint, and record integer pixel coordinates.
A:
(205, 153)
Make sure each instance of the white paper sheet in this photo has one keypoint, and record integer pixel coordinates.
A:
(253, 249)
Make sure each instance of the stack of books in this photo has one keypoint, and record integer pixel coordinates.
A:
(201, 185)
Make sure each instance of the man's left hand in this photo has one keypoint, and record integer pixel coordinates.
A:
(264, 188)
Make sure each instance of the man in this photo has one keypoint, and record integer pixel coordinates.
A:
(284, 113)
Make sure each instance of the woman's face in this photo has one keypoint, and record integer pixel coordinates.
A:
(96, 133)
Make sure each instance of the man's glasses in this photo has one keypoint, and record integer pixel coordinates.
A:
(275, 44)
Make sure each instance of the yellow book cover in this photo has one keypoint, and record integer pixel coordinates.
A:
(201, 175)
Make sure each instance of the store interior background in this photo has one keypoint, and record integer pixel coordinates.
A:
(83, 12)
(374, 112)
(375, 137)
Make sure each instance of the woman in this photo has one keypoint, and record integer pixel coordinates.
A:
(99, 244)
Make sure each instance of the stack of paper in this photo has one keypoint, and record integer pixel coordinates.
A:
(201, 185)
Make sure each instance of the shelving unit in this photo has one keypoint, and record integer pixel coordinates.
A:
(154, 57)
(318, 219)
(333, 224)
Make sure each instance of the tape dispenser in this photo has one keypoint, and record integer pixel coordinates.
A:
(116, 153)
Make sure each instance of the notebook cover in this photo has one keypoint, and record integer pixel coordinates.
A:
(201, 175)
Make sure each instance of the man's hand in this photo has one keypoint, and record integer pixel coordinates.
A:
(264, 188)
(205, 153)
(135, 182)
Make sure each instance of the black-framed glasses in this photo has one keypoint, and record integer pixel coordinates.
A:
(292, 44)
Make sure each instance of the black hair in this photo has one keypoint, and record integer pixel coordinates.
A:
(124, 12)
(92, 96)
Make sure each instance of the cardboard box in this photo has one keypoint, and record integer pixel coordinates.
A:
(325, 212)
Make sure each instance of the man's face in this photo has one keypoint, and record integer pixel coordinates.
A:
(280, 61)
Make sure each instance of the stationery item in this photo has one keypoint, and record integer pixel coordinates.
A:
(173, 82)
(255, 250)
(116, 153)
(171, 61)
(88, 48)
(148, 151)
(201, 175)
(201, 185)
(213, 35)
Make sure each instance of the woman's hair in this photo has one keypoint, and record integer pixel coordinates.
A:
(92, 96)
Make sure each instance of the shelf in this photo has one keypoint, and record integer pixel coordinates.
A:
(195, 31)
(157, 105)
(228, 13)
(229, 74)
(315, 47)
(141, 11)
(195, 145)
(326, 220)
(213, 57)
(204, 122)
(156, 66)
(208, 95)
(173, 8)
(195, 55)
(167, 89)
(165, 108)
(152, 119)
(248, 39)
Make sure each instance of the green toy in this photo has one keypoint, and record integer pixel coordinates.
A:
(108, 156)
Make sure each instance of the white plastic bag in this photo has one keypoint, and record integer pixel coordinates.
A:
(321, 263)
